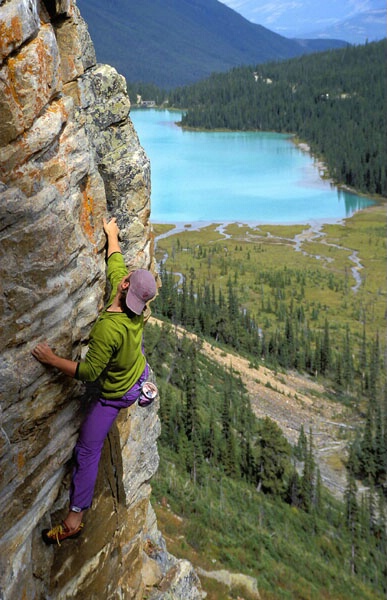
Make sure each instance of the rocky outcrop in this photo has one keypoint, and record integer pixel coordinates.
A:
(234, 581)
(69, 155)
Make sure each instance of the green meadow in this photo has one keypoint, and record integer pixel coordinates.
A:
(315, 272)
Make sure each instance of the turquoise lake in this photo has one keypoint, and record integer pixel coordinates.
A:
(234, 176)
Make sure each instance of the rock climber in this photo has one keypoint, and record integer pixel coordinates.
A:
(115, 358)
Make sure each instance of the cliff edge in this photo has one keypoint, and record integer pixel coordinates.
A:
(69, 155)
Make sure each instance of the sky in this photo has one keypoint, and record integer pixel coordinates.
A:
(293, 18)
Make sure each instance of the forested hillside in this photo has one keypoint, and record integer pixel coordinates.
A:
(175, 42)
(250, 290)
(230, 482)
(335, 101)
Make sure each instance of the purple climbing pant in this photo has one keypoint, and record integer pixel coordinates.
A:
(90, 442)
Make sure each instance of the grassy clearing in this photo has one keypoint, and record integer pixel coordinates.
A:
(161, 228)
(365, 233)
(285, 231)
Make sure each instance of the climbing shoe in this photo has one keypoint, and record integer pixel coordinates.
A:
(59, 533)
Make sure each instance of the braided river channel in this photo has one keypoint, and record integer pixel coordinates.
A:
(249, 177)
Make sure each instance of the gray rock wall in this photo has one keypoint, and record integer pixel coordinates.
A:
(68, 156)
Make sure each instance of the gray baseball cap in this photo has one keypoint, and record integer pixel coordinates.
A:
(142, 288)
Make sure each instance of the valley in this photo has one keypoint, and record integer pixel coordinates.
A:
(292, 401)
(314, 277)
(291, 398)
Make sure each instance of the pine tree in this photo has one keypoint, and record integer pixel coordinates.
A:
(367, 446)
(247, 460)
(191, 312)
(290, 344)
(307, 479)
(294, 489)
(211, 441)
(380, 450)
(183, 304)
(339, 371)
(325, 357)
(273, 459)
(229, 450)
(374, 369)
(316, 364)
(302, 445)
(196, 469)
(183, 449)
(347, 361)
(352, 513)
(363, 361)
(192, 423)
(371, 509)
(167, 297)
(165, 411)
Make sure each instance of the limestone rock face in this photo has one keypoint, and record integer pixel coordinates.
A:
(69, 155)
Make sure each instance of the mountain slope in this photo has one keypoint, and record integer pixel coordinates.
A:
(174, 42)
(287, 399)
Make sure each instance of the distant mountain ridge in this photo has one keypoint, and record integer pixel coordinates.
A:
(354, 22)
(176, 42)
(370, 25)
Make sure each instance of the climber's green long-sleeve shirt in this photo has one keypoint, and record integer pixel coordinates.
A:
(115, 354)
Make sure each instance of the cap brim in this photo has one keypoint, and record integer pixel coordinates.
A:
(133, 303)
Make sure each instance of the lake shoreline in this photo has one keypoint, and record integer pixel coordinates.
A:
(176, 227)
(323, 170)
(183, 227)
